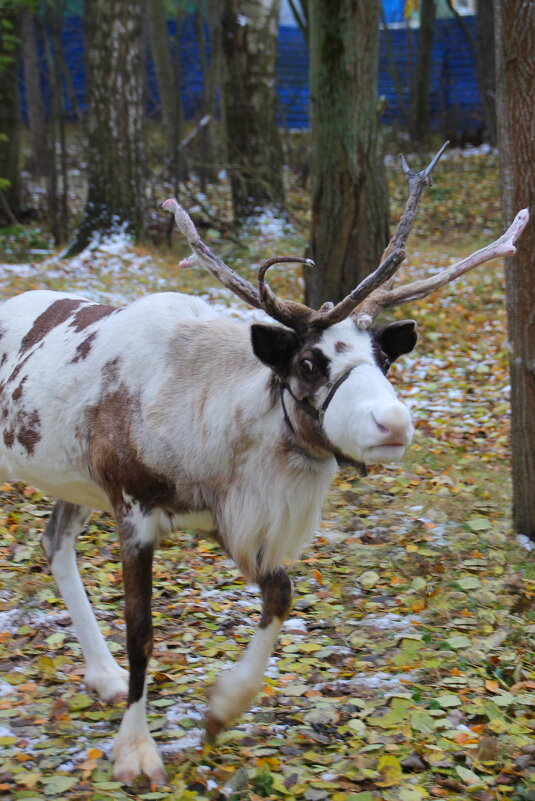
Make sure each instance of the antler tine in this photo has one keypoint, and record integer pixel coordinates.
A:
(204, 256)
(324, 319)
(417, 182)
(288, 312)
(503, 246)
(393, 254)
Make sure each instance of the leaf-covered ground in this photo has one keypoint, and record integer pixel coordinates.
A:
(407, 668)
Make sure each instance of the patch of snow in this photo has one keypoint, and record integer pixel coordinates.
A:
(381, 681)
(296, 624)
(269, 223)
(525, 542)
(389, 621)
(9, 620)
(5, 688)
(193, 739)
(180, 710)
(5, 732)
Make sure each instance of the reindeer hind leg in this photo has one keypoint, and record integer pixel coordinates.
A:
(103, 674)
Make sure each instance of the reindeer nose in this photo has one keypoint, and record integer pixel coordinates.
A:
(394, 422)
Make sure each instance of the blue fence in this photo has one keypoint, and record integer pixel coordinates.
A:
(455, 105)
(454, 97)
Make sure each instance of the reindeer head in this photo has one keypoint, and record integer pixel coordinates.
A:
(336, 377)
(331, 363)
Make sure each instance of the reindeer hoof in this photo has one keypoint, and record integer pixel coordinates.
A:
(213, 727)
(110, 684)
(133, 756)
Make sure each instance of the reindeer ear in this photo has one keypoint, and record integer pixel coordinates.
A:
(274, 346)
(396, 338)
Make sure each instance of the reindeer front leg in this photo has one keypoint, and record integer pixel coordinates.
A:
(135, 751)
(235, 689)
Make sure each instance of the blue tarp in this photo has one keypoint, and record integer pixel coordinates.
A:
(454, 97)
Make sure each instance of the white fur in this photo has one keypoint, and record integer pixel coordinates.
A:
(103, 674)
(365, 420)
(134, 750)
(236, 688)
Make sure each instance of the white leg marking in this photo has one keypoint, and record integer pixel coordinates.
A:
(236, 688)
(135, 751)
(103, 674)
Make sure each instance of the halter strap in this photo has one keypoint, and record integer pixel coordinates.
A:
(319, 414)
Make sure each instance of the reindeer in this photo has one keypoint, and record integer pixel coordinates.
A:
(173, 417)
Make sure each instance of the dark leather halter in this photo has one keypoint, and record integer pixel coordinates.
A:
(319, 414)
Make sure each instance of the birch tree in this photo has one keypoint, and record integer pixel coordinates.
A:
(114, 70)
(249, 42)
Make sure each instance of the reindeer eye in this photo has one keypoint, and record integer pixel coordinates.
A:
(307, 366)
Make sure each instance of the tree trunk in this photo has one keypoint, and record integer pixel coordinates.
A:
(36, 110)
(166, 79)
(10, 188)
(419, 117)
(58, 208)
(515, 85)
(486, 70)
(249, 41)
(207, 167)
(349, 194)
(115, 119)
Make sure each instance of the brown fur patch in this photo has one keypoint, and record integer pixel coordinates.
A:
(115, 460)
(340, 347)
(111, 373)
(66, 520)
(54, 315)
(28, 434)
(277, 593)
(16, 370)
(17, 394)
(89, 314)
(25, 428)
(137, 577)
(83, 349)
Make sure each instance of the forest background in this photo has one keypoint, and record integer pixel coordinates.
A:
(406, 670)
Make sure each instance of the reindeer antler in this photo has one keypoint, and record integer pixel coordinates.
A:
(394, 253)
(375, 292)
(228, 277)
(289, 313)
(385, 297)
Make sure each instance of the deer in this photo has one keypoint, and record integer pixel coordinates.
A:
(170, 416)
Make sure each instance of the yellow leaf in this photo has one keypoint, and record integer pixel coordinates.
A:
(309, 647)
(390, 770)
(28, 779)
